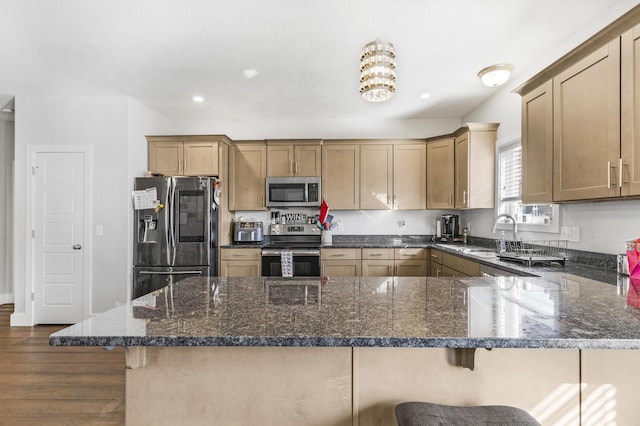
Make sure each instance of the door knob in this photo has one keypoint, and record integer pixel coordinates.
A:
(77, 247)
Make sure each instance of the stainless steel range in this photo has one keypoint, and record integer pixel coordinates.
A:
(302, 241)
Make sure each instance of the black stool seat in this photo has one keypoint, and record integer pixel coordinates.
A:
(426, 413)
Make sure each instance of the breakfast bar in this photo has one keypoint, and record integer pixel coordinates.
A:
(346, 350)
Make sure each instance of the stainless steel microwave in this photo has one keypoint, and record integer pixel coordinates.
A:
(299, 191)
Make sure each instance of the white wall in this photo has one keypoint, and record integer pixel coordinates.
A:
(104, 124)
(319, 129)
(6, 212)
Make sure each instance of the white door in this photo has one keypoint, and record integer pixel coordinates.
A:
(58, 240)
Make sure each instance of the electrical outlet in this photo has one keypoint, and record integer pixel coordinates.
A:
(340, 226)
(575, 235)
(402, 224)
(565, 233)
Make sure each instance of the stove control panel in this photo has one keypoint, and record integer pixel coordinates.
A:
(294, 229)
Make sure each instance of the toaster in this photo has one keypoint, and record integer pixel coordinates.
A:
(247, 232)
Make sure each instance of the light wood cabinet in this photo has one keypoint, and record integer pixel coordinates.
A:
(294, 158)
(341, 175)
(586, 123)
(393, 176)
(440, 174)
(376, 176)
(449, 265)
(537, 145)
(400, 262)
(248, 170)
(411, 262)
(630, 113)
(377, 262)
(240, 262)
(341, 262)
(410, 176)
(185, 155)
(475, 152)
(435, 263)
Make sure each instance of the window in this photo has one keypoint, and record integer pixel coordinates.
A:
(530, 217)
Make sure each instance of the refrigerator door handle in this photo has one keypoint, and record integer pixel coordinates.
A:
(172, 224)
(171, 273)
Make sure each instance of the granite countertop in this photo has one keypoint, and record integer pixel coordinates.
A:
(558, 311)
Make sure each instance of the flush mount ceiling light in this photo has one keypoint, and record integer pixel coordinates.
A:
(495, 75)
(378, 71)
(197, 98)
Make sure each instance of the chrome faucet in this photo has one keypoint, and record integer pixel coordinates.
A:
(507, 216)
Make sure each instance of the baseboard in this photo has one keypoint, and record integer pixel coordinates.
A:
(6, 298)
(20, 320)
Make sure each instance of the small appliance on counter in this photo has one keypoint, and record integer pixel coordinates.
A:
(448, 228)
(250, 232)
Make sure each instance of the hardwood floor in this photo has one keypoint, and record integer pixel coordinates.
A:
(45, 385)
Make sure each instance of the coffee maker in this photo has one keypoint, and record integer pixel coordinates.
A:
(450, 224)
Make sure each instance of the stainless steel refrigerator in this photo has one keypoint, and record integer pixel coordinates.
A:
(175, 231)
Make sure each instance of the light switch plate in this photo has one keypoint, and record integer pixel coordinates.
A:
(565, 233)
(99, 230)
(575, 235)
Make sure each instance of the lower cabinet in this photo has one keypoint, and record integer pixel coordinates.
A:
(238, 262)
(340, 262)
(400, 262)
(449, 265)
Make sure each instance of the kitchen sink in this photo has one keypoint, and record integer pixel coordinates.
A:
(481, 252)
(477, 251)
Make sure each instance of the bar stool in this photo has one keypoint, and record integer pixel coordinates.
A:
(426, 413)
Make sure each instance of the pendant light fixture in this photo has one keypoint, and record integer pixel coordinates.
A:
(377, 68)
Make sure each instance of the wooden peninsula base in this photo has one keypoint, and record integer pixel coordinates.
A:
(361, 386)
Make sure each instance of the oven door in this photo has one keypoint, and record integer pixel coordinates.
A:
(306, 262)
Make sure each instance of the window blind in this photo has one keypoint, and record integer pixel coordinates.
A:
(510, 159)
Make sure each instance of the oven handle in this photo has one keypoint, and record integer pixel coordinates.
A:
(171, 273)
(294, 252)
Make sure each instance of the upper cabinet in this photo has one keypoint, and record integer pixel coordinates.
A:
(247, 173)
(440, 174)
(410, 176)
(630, 113)
(586, 126)
(590, 99)
(185, 155)
(294, 158)
(375, 175)
(537, 145)
(341, 174)
(474, 166)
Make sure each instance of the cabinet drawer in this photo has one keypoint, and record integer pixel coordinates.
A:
(336, 253)
(411, 253)
(467, 267)
(435, 256)
(377, 253)
(240, 254)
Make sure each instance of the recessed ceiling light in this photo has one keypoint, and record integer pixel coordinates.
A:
(425, 96)
(198, 99)
(249, 74)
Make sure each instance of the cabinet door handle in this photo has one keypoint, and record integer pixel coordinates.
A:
(464, 197)
(620, 181)
(451, 198)
(375, 254)
(296, 168)
(608, 174)
(323, 274)
(435, 256)
(238, 255)
(337, 255)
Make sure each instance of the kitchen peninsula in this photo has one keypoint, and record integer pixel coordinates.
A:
(345, 350)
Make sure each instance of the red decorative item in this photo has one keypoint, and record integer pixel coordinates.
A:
(324, 211)
(633, 258)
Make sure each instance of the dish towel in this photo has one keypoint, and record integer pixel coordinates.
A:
(286, 263)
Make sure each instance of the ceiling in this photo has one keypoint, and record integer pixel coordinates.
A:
(304, 53)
